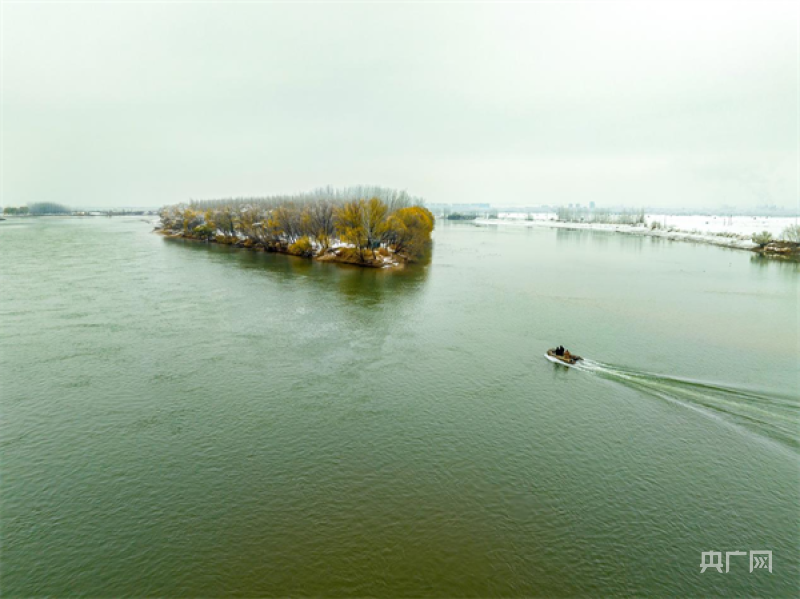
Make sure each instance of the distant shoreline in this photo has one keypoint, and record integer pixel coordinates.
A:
(777, 249)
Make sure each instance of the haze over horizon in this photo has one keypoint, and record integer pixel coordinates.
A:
(514, 105)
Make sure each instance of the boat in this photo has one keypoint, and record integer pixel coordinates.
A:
(567, 360)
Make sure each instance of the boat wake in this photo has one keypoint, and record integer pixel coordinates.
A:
(773, 415)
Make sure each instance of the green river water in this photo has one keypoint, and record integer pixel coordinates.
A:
(186, 420)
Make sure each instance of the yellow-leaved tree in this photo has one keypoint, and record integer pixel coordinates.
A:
(349, 222)
(190, 219)
(374, 219)
(409, 231)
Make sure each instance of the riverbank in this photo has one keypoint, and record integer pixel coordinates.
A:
(339, 253)
(734, 240)
(782, 250)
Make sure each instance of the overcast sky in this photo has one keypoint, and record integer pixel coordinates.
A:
(658, 104)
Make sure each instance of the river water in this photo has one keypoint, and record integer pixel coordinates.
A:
(183, 420)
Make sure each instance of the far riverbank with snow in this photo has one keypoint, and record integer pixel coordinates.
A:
(734, 232)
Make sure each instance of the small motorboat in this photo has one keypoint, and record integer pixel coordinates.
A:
(567, 359)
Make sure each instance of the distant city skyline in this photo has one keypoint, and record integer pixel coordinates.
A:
(653, 104)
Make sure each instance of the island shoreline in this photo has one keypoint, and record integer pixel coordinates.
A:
(330, 254)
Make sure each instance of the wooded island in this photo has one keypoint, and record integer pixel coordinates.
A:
(367, 226)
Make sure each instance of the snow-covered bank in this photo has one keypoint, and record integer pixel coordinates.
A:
(734, 232)
(697, 223)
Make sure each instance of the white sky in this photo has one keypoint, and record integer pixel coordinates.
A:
(145, 103)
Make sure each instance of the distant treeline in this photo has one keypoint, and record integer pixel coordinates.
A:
(460, 216)
(394, 199)
(37, 209)
(600, 215)
(361, 221)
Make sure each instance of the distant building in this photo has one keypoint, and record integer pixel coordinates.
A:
(591, 205)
